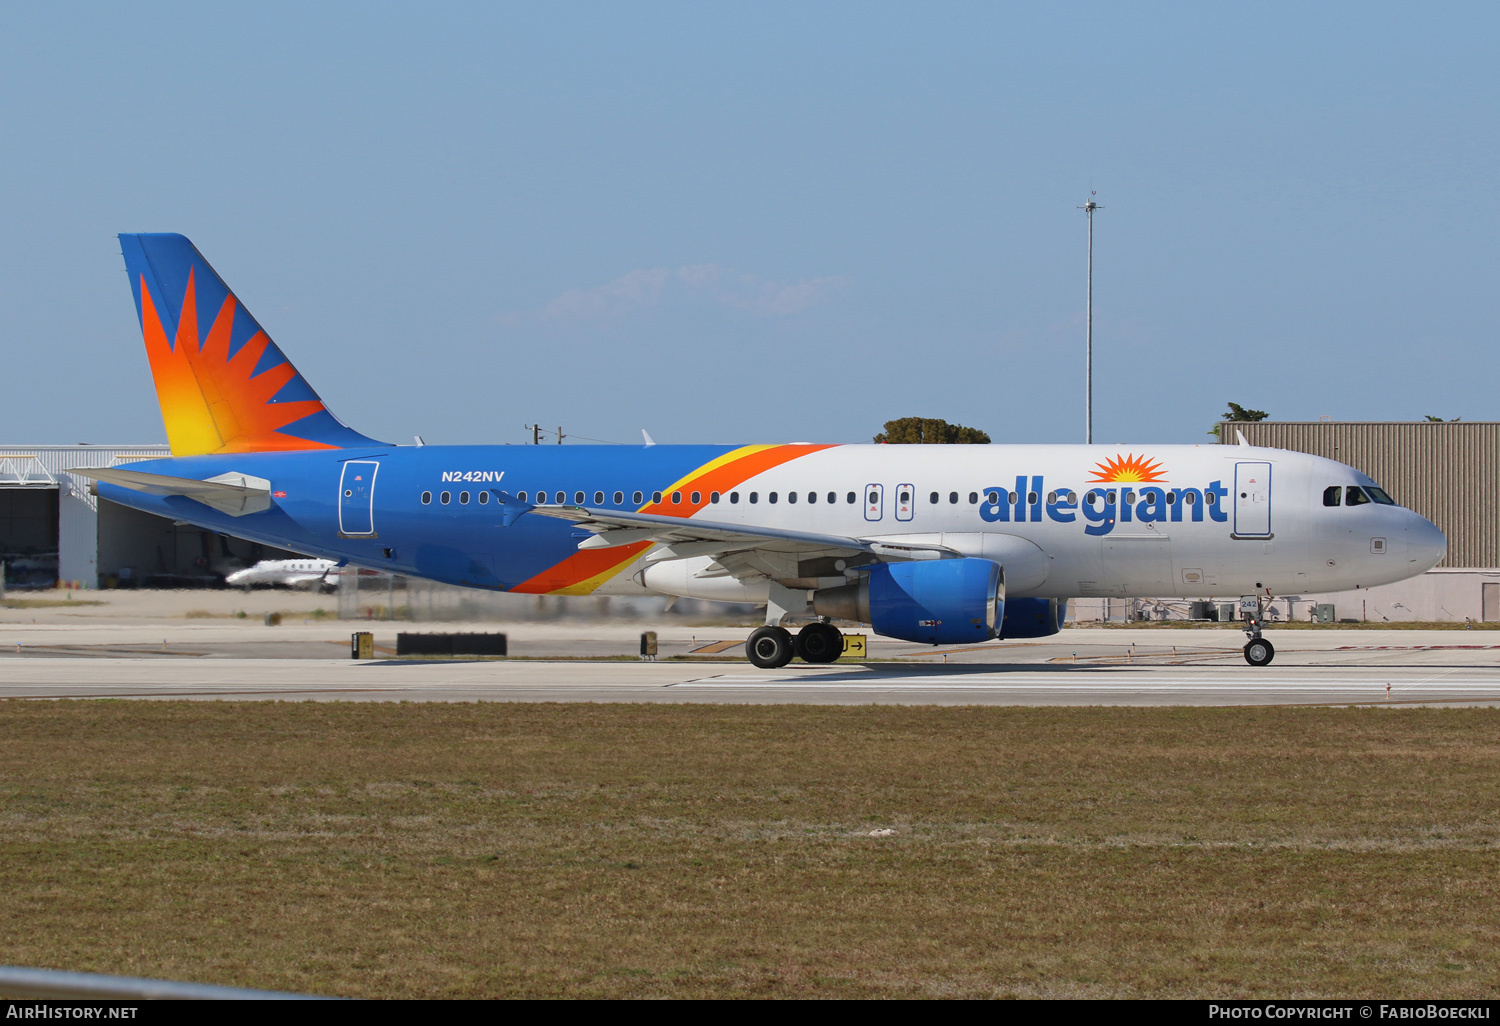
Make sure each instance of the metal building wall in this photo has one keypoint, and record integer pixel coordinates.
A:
(1448, 472)
(76, 530)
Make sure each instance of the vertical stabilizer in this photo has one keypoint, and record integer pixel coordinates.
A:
(223, 385)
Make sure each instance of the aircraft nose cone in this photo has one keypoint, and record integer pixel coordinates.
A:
(1425, 544)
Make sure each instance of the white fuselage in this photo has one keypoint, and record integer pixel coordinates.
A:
(1077, 521)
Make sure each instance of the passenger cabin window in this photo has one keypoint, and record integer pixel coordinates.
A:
(933, 498)
(713, 496)
(463, 498)
(771, 497)
(993, 498)
(833, 497)
(1333, 495)
(1355, 496)
(598, 498)
(791, 496)
(445, 498)
(696, 498)
(755, 497)
(656, 496)
(619, 498)
(849, 498)
(812, 496)
(637, 498)
(426, 498)
(560, 498)
(734, 497)
(676, 498)
(521, 496)
(484, 497)
(953, 498)
(578, 498)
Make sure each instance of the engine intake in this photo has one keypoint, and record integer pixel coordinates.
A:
(936, 602)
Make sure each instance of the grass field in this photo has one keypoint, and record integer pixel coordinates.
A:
(632, 850)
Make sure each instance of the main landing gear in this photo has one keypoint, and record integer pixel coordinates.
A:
(1258, 651)
(773, 647)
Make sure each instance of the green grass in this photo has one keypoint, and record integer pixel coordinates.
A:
(636, 850)
(46, 603)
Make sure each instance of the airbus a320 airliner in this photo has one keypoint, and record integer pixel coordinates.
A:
(928, 543)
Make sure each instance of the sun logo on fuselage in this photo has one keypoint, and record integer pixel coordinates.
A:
(1130, 468)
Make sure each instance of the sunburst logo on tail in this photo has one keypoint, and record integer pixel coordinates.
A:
(1130, 468)
(211, 401)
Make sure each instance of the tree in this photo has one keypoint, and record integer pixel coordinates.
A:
(1236, 412)
(929, 431)
(1440, 420)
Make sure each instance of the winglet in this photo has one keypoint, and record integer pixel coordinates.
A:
(1241, 436)
(647, 436)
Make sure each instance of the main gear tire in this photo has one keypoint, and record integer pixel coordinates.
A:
(770, 648)
(820, 643)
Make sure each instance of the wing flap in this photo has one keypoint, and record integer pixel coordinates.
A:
(739, 550)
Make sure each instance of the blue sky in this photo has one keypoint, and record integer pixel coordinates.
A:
(764, 221)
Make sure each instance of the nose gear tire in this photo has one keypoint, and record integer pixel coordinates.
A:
(769, 648)
(1259, 652)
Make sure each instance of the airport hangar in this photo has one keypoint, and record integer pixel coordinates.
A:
(53, 531)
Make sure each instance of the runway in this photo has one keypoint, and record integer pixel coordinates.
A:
(231, 679)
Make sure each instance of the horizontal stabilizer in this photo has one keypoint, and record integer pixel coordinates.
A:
(232, 493)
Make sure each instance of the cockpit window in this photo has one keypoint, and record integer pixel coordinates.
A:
(1354, 496)
(1333, 495)
(1379, 495)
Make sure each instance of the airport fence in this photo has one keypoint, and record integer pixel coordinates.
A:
(399, 598)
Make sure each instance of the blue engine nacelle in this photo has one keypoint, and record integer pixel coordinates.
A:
(1033, 617)
(936, 602)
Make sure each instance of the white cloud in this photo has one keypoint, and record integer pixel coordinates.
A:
(650, 287)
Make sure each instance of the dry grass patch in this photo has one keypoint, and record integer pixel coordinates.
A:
(460, 850)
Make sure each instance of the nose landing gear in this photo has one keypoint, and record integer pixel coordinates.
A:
(1258, 651)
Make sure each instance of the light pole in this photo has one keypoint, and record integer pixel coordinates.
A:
(1088, 345)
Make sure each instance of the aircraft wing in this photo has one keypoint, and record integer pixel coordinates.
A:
(232, 493)
(738, 550)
